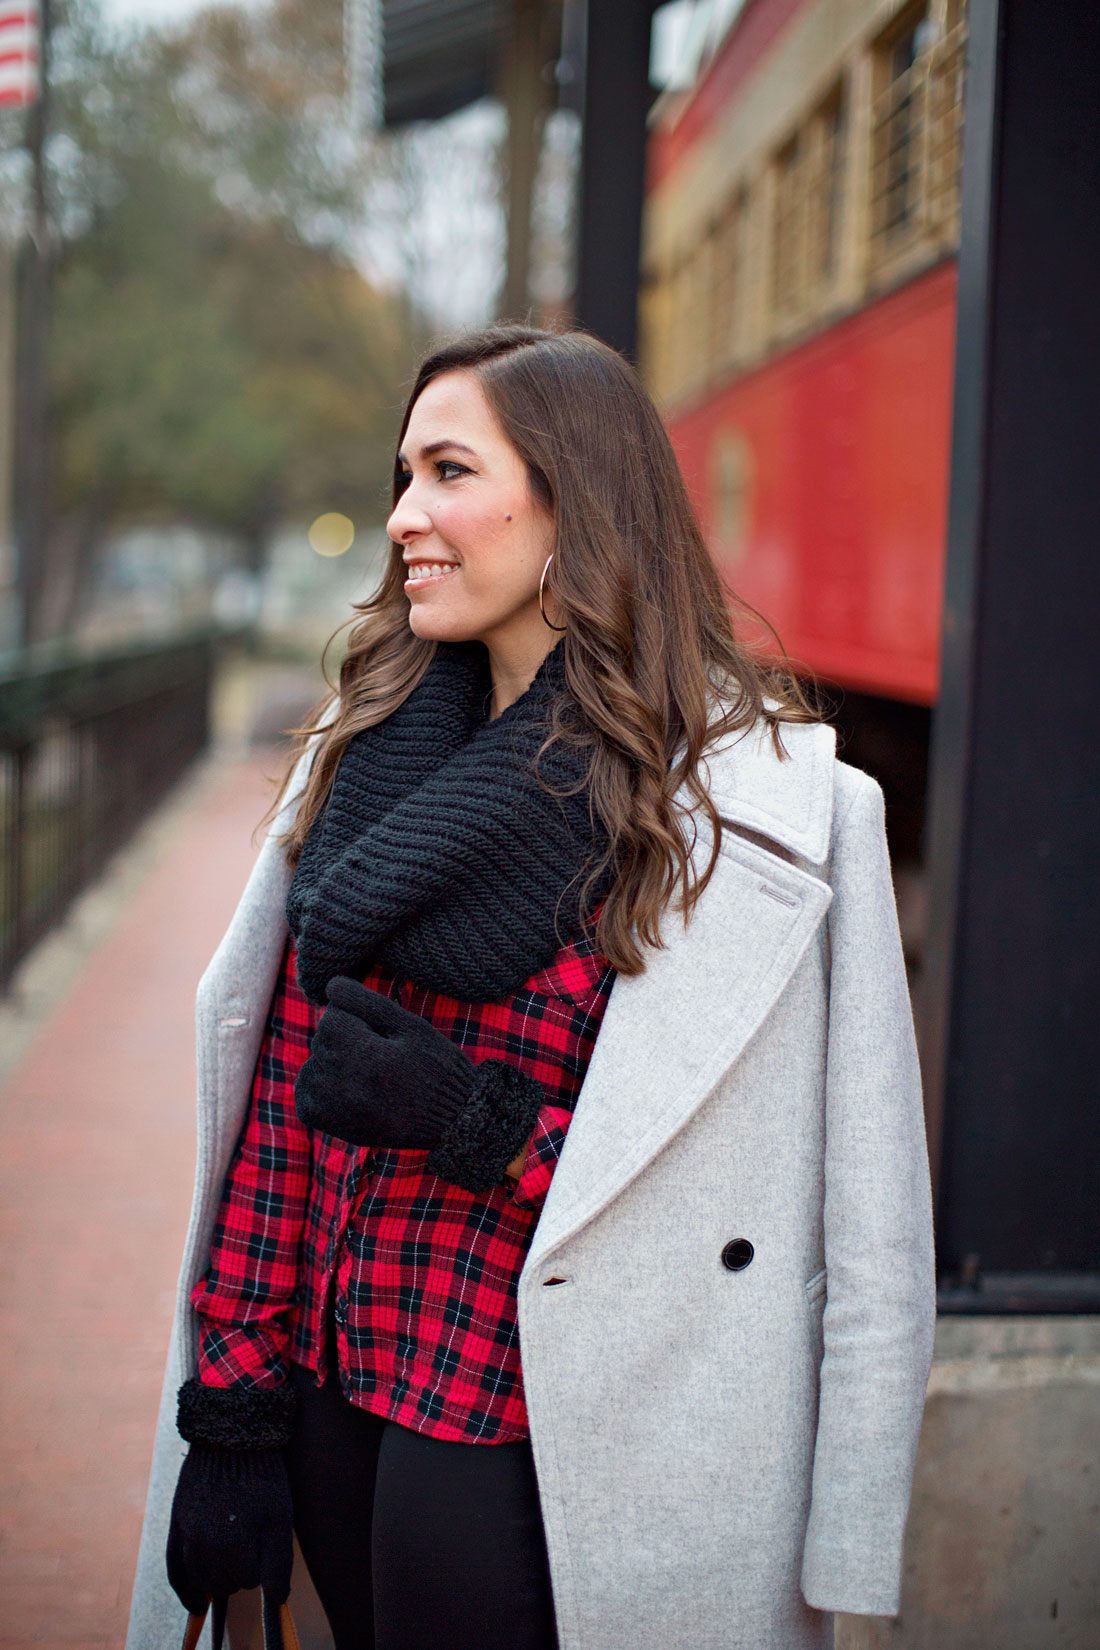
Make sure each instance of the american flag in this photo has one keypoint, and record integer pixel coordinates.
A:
(19, 34)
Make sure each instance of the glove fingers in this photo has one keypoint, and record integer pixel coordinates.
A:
(190, 1593)
(240, 1567)
(277, 1562)
(205, 1570)
(232, 1562)
(339, 1035)
(231, 1525)
(381, 1013)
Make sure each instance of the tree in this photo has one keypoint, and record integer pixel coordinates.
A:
(216, 356)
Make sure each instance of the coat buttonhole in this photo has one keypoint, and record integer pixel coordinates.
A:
(774, 893)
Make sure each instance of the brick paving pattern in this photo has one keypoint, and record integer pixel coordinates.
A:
(96, 1165)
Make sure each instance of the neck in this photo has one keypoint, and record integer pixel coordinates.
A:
(514, 664)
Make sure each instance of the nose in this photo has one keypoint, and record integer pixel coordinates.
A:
(408, 518)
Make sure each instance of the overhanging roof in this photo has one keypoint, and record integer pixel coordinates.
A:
(439, 55)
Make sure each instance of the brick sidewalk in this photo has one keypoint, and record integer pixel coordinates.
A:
(96, 1165)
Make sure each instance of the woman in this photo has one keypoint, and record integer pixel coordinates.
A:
(561, 1261)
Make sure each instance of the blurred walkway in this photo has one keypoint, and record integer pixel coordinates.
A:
(96, 1165)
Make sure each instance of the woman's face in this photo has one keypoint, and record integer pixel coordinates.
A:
(473, 537)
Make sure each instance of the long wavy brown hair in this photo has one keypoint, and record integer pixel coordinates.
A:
(653, 666)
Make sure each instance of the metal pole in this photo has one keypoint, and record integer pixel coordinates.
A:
(32, 282)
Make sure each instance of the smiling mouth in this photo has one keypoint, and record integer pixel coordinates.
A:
(423, 572)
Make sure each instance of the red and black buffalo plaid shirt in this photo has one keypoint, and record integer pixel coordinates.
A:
(424, 1274)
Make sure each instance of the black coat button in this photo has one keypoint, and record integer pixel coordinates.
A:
(737, 1253)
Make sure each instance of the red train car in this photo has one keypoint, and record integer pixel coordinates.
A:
(797, 316)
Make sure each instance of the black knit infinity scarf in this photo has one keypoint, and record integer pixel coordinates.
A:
(439, 857)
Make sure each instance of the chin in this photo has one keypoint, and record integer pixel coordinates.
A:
(442, 627)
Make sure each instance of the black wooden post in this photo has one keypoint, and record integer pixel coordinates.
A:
(1011, 1013)
(617, 97)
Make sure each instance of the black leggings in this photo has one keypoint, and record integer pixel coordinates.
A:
(413, 1542)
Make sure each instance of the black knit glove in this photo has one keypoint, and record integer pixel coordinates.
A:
(380, 1076)
(232, 1523)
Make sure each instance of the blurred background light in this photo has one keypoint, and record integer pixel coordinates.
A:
(332, 534)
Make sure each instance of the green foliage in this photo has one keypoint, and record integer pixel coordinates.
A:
(215, 353)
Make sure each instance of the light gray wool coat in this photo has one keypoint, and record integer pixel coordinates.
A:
(724, 1457)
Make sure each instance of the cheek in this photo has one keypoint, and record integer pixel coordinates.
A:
(467, 525)
(503, 553)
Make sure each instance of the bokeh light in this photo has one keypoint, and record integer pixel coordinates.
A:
(332, 534)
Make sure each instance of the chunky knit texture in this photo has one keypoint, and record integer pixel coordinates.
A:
(439, 857)
(483, 1137)
(235, 1417)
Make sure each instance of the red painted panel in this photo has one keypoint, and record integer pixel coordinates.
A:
(821, 482)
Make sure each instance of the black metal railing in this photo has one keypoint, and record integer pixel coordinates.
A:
(87, 747)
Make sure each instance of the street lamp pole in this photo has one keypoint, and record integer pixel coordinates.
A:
(32, 288)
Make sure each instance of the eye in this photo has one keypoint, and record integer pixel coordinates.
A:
(449, 464)
(403, 478)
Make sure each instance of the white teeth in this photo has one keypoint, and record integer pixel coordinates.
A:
(431, 570)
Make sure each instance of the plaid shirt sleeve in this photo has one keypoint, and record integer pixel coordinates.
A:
(245, 1298)
(580, 980)
(543, 1151)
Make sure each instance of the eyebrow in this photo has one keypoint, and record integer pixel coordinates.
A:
(437, 447)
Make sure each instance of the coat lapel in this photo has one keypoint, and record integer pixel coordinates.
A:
(669, 1034)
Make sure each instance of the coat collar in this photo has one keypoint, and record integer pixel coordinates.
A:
(788, 800)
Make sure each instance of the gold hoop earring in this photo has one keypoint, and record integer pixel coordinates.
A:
(542, 609)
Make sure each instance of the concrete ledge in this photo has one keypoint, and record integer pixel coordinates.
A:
(1003, 1539)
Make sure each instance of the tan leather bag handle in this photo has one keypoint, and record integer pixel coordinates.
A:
(279, 1630)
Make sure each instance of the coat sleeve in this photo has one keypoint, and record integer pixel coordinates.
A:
(880, 1311)
(233, 997)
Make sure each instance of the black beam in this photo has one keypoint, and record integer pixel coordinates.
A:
(439, 55)
(617, 98)
(1010, 1022)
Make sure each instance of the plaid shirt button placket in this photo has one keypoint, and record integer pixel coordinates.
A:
(424, 1272)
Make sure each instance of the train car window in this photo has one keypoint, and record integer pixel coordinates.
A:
(946, 96)
(809, 198)
(896, 129)
(789, 234)
(916, 132)
(727, 290)
(830, 139)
